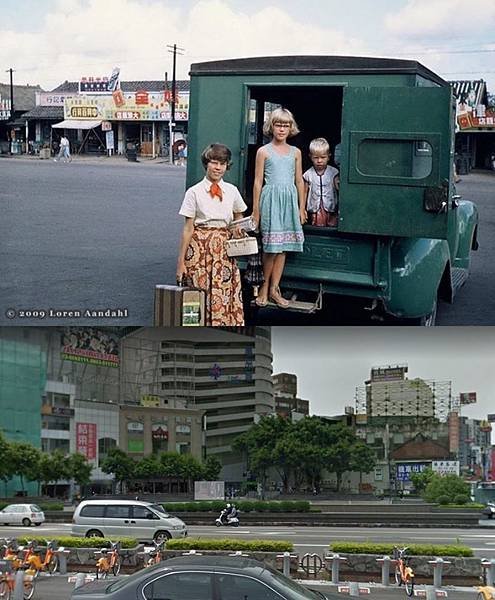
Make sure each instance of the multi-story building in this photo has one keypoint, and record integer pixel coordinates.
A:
(287, 404)
(206, 385)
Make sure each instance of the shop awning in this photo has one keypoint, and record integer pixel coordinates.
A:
(75, 124)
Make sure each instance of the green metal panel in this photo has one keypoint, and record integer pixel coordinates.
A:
(395, 145)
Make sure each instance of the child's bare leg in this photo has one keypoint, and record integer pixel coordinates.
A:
(278, 269)
(268, 262)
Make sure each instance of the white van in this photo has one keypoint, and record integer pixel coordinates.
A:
(144, 521)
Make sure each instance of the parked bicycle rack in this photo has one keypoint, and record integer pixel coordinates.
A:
(311, 564)
(63, 555)
(286, 556)
(386, 563)
(437, 570)
(80, 579)
(335, 558)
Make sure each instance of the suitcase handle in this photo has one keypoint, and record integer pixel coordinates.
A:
(184, 281)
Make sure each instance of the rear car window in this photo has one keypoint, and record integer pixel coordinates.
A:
(92, 510)
(35, 508)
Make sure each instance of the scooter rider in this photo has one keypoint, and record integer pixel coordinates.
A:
(227, 513)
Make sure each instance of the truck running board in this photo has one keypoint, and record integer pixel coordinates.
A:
(459, 277)
(296, 305)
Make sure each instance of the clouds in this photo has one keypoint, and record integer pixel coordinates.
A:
(438, 19)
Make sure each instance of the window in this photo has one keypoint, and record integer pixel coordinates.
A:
(236, 587)
(92, 510)
(116, 511)
(395, 158)
(141, 512)
(180, 586)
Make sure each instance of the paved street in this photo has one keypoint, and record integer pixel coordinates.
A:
(100, 233)
(313, 539)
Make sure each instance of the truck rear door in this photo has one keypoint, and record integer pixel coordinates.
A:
(396, 161)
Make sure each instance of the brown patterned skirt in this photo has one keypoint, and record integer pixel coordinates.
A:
(217, 274)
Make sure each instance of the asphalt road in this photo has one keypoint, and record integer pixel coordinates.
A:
(311, 539)
(100, 233)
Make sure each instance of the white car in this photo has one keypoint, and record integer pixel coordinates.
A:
(22, 514)
(144, 521)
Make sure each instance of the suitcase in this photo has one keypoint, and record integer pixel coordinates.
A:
(177, 306)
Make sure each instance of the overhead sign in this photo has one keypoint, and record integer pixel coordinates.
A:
(445, 467)
(467, 398)
(126, 106)
(51, 99)
(491, 418)
(89, 345)
(5, 108)
(404, 471)
(388, 373)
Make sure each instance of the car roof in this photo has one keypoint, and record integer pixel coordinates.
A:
(20, 504)
(208, 562)
(122, 502)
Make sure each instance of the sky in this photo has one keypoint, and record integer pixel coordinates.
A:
(49, 41)
(330, 362)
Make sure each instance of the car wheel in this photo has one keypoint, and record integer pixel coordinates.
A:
(94, 533)
(161, 536)
(26, 522)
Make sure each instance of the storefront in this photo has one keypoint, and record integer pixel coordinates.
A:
(475, 131)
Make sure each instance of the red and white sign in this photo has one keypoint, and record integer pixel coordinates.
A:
(86, 440)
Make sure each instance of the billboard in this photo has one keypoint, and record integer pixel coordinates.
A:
(91, 346)
(404, 471)
(491, 418)
(86, 440)
(467, 397)
(209, 490)
(445, 467)
(389, 373)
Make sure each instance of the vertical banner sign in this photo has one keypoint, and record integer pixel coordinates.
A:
(86, 440)
(453, 422)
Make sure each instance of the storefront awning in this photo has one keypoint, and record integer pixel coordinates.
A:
(75, 124)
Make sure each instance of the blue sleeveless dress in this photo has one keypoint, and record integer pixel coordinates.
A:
(280, 225)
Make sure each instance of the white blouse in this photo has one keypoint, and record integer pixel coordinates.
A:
(205, 210)
(321, 189)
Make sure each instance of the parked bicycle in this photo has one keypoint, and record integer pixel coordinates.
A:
(8, 570)
(404, 574)
(109, 562)
(155, 555)
(33, 560)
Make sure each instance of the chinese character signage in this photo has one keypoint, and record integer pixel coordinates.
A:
(51, 99)
(126, 106)
(91, 346)
(388, 373)
(86, 440)
(4, 109)
(405, 471)
(445, 467)
(467, 398)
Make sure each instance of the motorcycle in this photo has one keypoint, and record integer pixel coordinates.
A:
(489, 511)
(227, 520)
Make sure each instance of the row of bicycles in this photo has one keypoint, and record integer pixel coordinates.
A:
(109, 561)
(30, 559)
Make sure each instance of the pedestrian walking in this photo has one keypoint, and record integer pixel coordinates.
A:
(64, 151)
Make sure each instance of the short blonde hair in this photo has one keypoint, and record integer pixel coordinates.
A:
(282, 115)
(319, 145)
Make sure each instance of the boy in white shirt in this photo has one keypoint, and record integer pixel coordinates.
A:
(321, 183)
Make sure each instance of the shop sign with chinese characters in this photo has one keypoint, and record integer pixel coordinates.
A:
(121, 106)
(405, 471)
(445, 467)
(86, 440)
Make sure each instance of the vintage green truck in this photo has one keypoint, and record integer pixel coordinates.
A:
(404, 237)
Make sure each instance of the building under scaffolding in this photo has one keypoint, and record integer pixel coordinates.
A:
(389, 394)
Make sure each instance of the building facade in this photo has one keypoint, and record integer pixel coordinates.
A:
(287, 404)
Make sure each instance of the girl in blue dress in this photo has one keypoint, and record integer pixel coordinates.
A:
(278, 202)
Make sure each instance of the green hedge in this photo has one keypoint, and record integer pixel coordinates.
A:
(43, 505)
(243, 505)
(413, 549)
(229, 544)
(76, 542)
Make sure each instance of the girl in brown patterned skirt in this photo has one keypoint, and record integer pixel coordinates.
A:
(208, 208)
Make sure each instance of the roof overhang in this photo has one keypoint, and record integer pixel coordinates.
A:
(76, 124)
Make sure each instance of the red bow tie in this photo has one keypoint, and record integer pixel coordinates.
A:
(215, 190)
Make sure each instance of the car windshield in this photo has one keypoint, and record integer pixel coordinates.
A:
(35, 508)
(298, 590)
(159, 508)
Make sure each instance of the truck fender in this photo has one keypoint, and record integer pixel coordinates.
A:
(467, 218)
(420, 269)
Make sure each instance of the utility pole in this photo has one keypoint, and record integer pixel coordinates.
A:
(11, 71)
(171, 123)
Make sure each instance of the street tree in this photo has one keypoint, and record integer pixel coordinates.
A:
(211, 468)
(6, 463)
(24, 460)
(79, 469)
(363, 459)
(421, 480)
(446, 487)
(52, 467)
(120, 465)
(148, 467)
